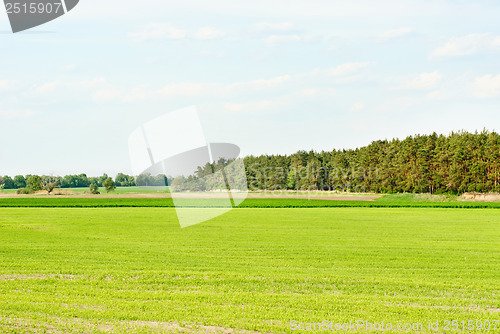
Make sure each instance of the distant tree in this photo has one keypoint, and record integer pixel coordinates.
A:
(82, 181)
(34, 183)
(178, 184)
(123, 180)
(109, 185)
(8, 183)
(1, 187)
(94, 189)
(144, 180)
(50, 183)
(102, 179)
(19, 181)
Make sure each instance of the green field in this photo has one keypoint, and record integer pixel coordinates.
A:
(133, 269)
(388, 201)
(117, 191)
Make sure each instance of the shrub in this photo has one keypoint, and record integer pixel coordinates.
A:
(94, 189)
(109, 184)
(24, 191)
(34, 183)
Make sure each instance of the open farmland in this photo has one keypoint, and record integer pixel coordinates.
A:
(250, 270)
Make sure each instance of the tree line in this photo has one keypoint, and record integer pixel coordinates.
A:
(457, 163)
(68, 181)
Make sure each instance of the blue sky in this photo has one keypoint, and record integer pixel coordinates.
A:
(270, 76)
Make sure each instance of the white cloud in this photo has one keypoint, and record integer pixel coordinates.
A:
(358, 107)
(347, 68)
(156, 31)
(4, 84)
(138, 93)
(276, 39)
(423, 81)
(468, 45)
(486, 86)
(273, 27)
(397, 104)
(189, 89)
(323, 82)
(287, 82)
(263, 83)
(107, 95)
(92, 82)
(51, 86)
(47, 87)
(398, 33)
(252, 107)
(68, 68)
(209, 33)
(436, 95)
(280, 102)
(19, 114)
(317, 92)
(270, 105)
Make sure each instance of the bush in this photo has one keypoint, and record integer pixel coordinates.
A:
(34, 183)
(109, 184)
(50, 187)
(24, 191)
(94, 189)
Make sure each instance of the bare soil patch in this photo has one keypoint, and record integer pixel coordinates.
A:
(479, 197)
(211, 195)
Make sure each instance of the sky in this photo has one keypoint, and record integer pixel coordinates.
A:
(272, 77)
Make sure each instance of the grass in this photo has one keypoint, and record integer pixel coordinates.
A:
(388, 201)
(122, 190)
(117, 191)
(134, 269)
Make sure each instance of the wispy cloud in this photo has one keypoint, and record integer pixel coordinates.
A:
(273, 27)
(468, 45)
(258, 106)
(423, 81)
(16, 114)
(209, 33)
(278, 39)
(102, 90)
(347, 68)
(47, 87)
(358, 107)
(155, 31)
(68, 68)
(486, 86)
(397, 33)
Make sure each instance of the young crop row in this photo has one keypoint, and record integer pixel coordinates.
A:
(249, 203)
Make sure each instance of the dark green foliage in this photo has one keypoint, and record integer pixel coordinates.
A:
(19, 181)
(8, 183)
(75, 181)
(34, 183)
(109, 185)
(123, 180)
(458, 163)
(94, 189)
(391, 201)
(24, 191)
(147, 180)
